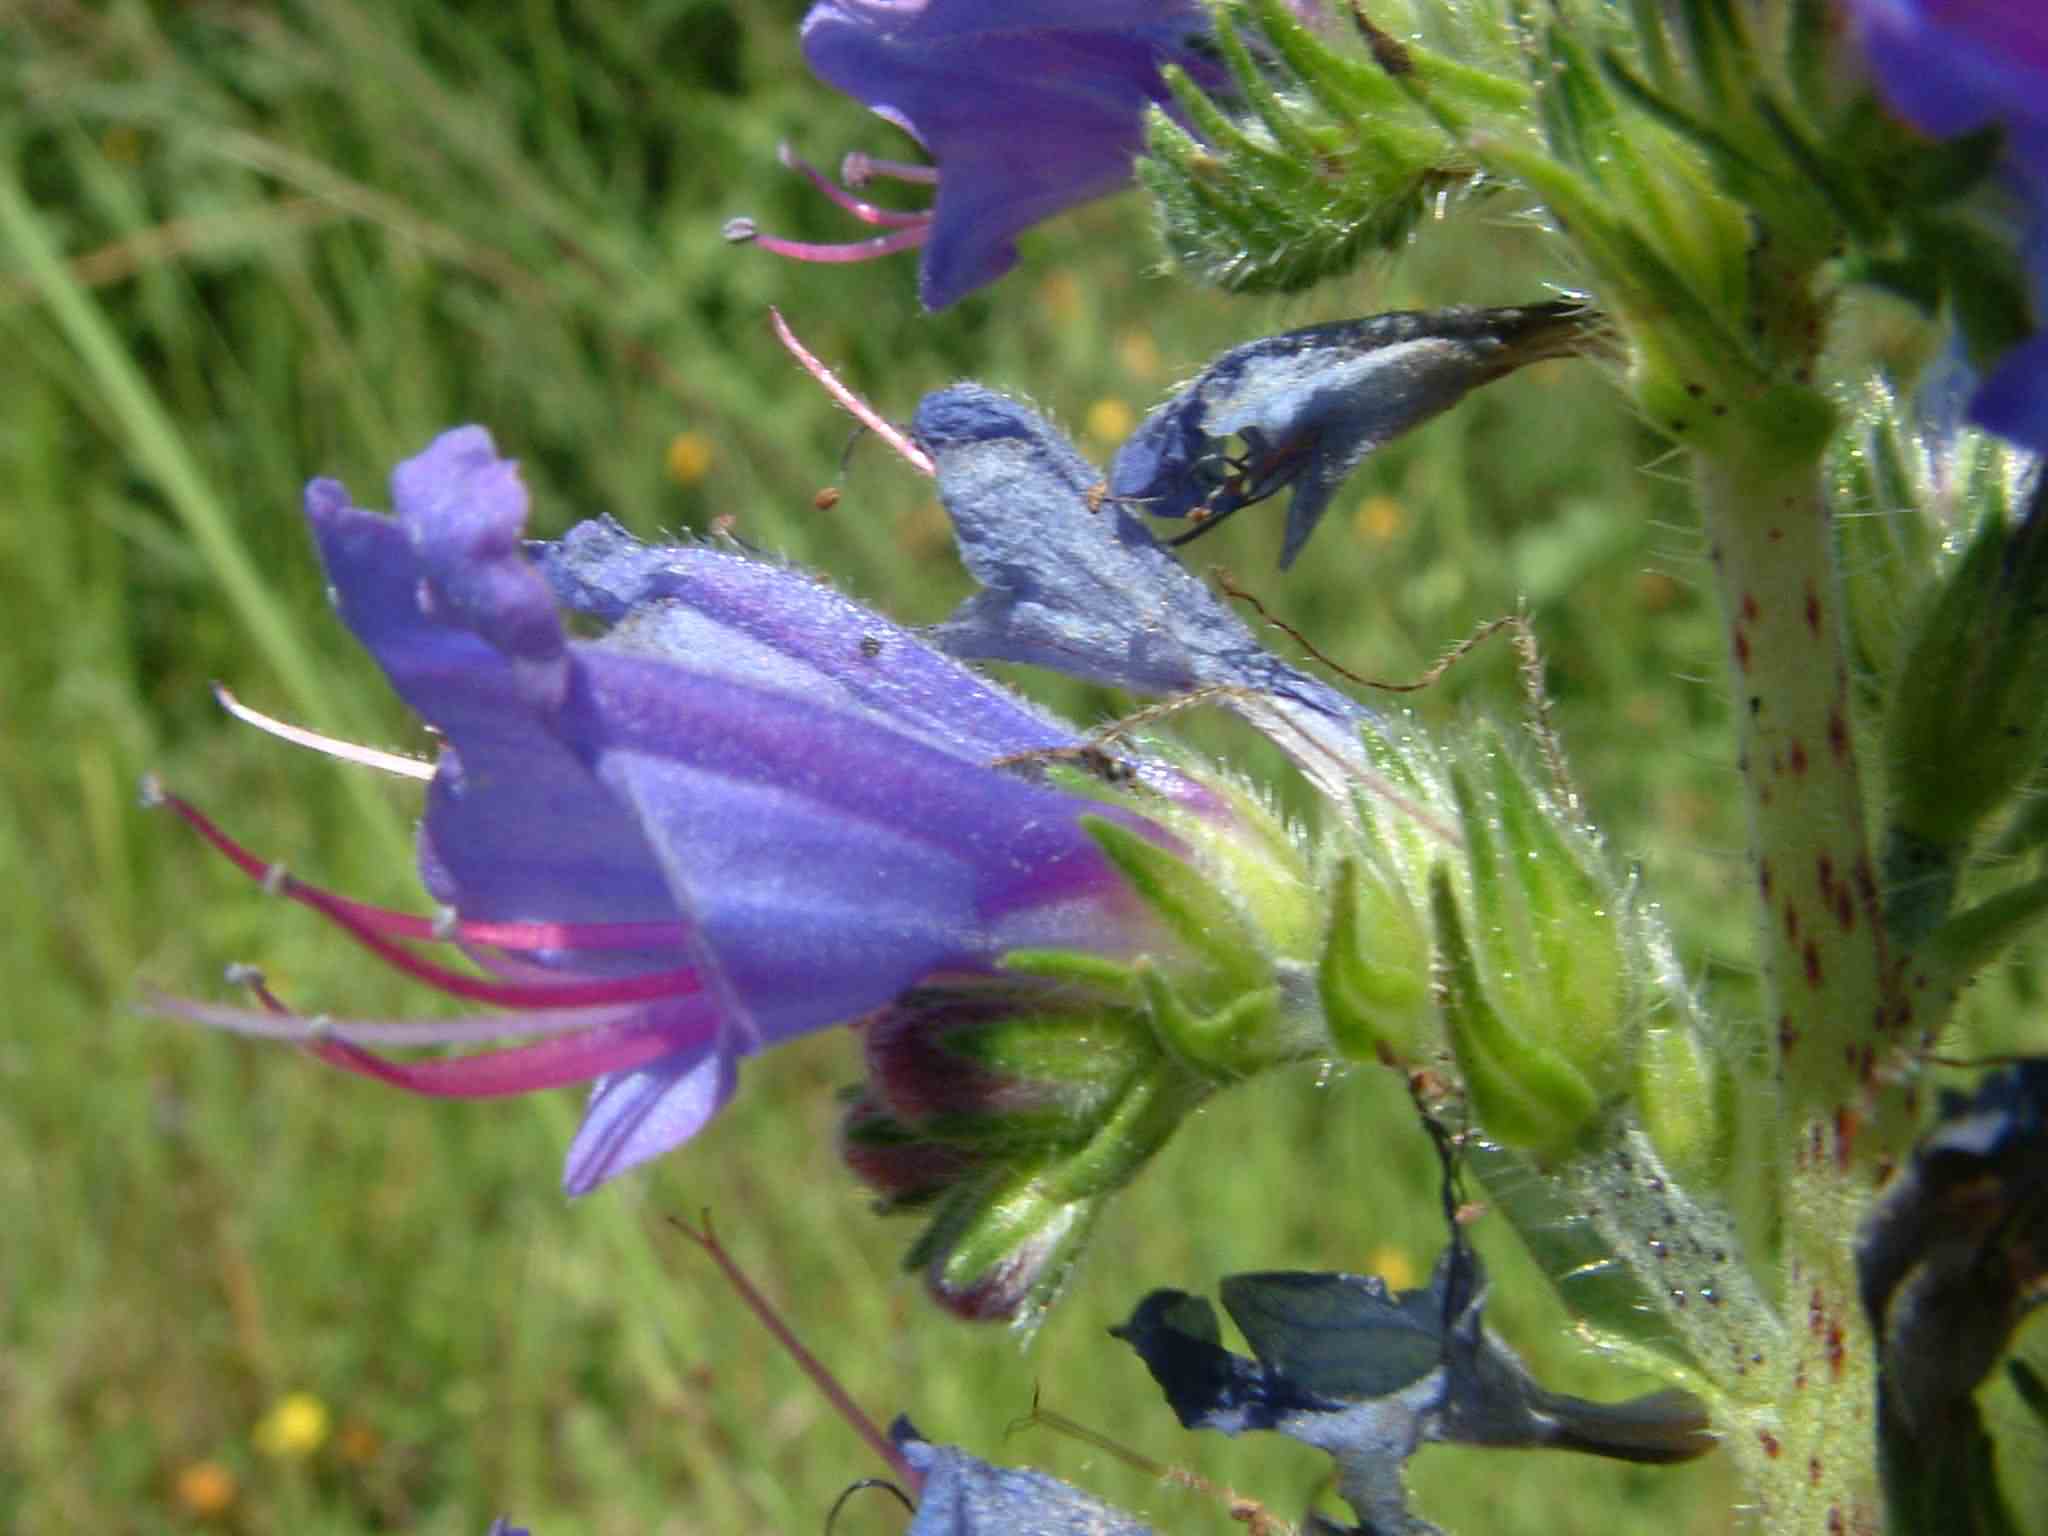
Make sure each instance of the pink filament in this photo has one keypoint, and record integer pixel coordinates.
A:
(858, 408)
(857, 250)
(573, 1058)
(375, 928)
(520, 1069)
(860, 208)
(858, 169)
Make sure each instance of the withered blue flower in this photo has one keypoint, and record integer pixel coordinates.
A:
(1370, 1375)
(1308, 406)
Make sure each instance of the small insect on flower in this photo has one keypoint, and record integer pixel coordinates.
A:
(1306, 407)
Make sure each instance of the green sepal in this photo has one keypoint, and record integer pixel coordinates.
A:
(1645, 1266)
(1967, 724)
(1236, 1040)
(1082, 1061)
(1733, 168)
(1373, 975)
(1574, 930)
(1611, 1304)
(1229, 954)
(1525, 1095)
(1682, 1098)
(1686, 345)
(1073, 965)
(2029, 1388)
(1280, 188)
(1970, 940)
(1887, 538)
(1984, 281)
(1720, 54)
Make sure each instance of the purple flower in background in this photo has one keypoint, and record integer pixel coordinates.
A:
(1026, 106)
(1953, 66)
(751, 810)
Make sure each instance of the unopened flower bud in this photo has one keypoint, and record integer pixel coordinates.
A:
(1538, 986)
(903, 1168)
(1001, 1244)
(1003, 1061)
(1680, 1099)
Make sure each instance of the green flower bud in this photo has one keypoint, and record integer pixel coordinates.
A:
(1680, 1098)
(1003, 1062)
(1524, 1094)
(1375, 973)
(1002, 1242)
(1553, 931)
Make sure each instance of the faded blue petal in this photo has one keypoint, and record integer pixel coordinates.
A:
(1028, 107)
(1071, 580)
(966, 1496)
(1083, 589)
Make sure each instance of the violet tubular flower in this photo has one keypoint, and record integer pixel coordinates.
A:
(1950, 68)
(751, 810)
(1027, 108)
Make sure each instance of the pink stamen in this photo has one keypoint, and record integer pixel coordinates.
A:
(858, 169)
(866, 212)
(861, 411)
(835, 255)
(273, 1021)
(617, 1047)
(373, 928)
(521, 1069)
(408, 925)
(806, 1362)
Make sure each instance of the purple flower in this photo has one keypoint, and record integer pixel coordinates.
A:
(1953, 66)
(1027, 106)
(751, 810)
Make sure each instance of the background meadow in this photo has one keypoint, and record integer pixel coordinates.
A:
(241, 245)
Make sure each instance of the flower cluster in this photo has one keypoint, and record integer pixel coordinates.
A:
(690, 803)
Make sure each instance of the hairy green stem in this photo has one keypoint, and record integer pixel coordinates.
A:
(1829, 979)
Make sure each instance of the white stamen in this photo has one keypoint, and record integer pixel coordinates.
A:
(445, 922)
(347, 751)
(274, 879)
(149, 792)
(239, 974)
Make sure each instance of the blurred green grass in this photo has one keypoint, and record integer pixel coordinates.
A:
(240, 246)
